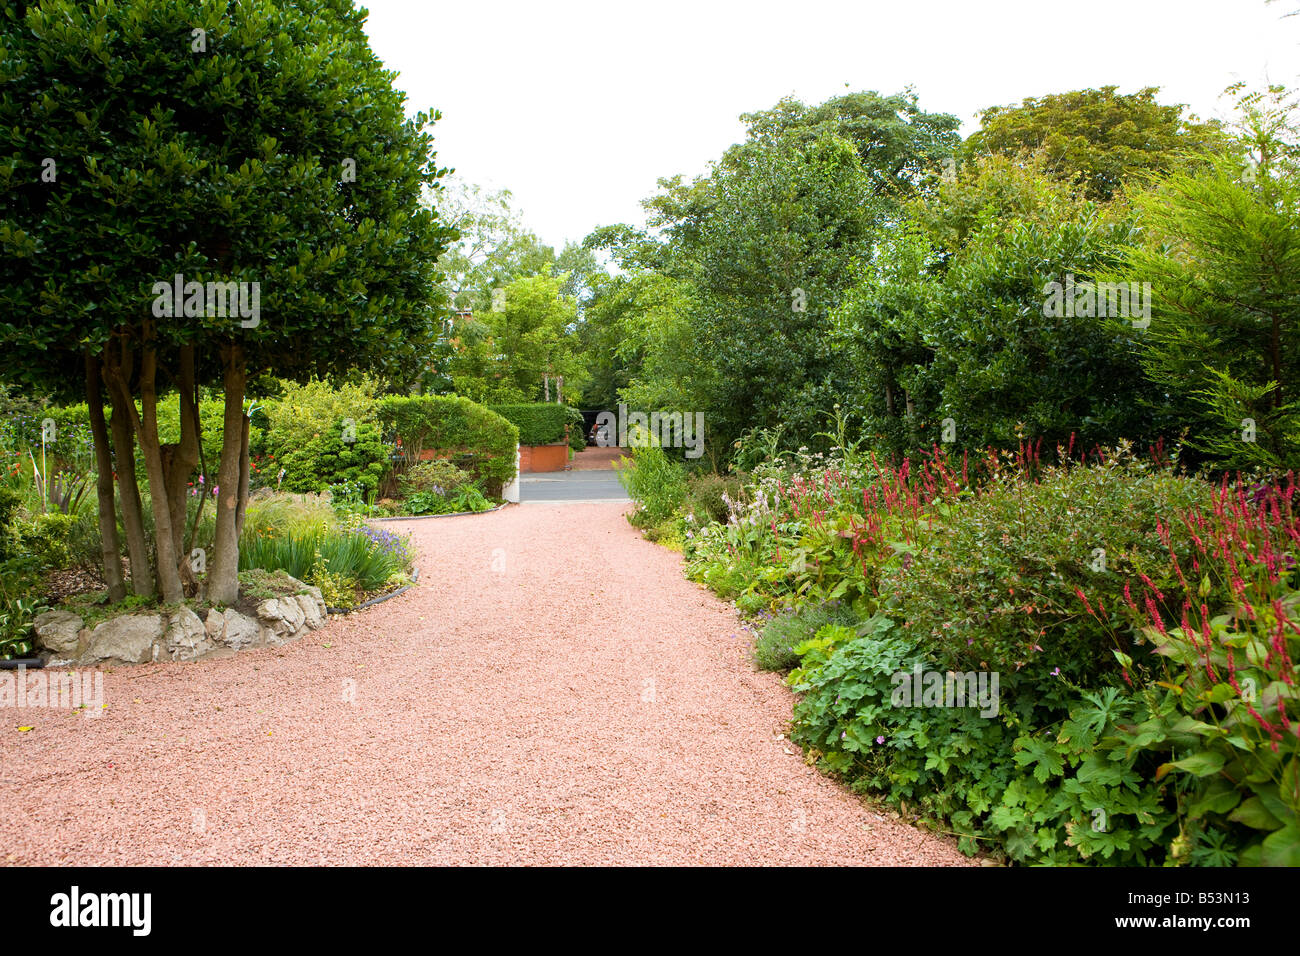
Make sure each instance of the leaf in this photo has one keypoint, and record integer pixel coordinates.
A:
(1281, 848)
(1253, 814)
(1201, 764)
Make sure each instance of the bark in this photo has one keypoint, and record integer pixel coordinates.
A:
(223, 574)
(110, 543)
(146, 428)
(178, 464)
(242, 505)
(117, 375)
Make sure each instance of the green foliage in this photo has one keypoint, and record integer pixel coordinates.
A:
(338, 454)
(541, 423)
(964, 337)
(20, 602)
(505, 353)
(774, 649)
(10, 501)
(655, 481)
(304, 412)
(441, 477)
(466, 498)
(709, 496)
(347, 555)
(483, 441)
(1097, 139)
(47, 538)
(1223, 256)
(994, 584)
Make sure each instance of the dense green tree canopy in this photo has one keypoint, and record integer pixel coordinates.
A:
(252, 143)
(1100, 140)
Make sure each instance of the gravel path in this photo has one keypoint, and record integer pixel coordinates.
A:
(554, 691)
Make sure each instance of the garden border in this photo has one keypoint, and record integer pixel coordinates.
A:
(415, 577)
(454, 514)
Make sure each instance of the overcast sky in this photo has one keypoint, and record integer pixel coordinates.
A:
(578, 107)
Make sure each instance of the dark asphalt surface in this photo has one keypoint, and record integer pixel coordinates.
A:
(571, 486)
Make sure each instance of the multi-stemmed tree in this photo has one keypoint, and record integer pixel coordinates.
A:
(257, 143)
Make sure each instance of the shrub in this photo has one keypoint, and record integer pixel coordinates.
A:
(774, 649)
(993, 584)
(305, 412)
(10, 500)
(709, 496)
(480, 441)
(539, 423)
(330, 458)
(655, 482)
(47, 539)
(442, 477)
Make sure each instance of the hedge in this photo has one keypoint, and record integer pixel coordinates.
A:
(473, 435)
(542, 423)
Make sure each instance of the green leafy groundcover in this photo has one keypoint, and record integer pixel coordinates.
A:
(1143, 626)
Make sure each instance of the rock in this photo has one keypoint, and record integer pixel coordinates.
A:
(186, 637)
(313, 609)
(129, 638)
(231, 629)
(58, 632)
(281, 619)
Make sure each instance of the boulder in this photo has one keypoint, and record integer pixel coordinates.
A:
(231, 629)
(59, 632)
(313, 609)
(129, 638)
(186, 636)
(280, 618)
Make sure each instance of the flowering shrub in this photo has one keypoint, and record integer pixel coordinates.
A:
(1224, 641)
(1144, 626)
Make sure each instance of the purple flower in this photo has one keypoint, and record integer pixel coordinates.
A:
(880, 740)
(1056, 673)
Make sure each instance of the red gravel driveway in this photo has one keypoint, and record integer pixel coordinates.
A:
(553, 692)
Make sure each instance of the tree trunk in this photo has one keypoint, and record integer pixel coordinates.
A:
(178, 464)
(223, 575)
(110, 544)
(244, 476)
(117, 375)
(146, 425)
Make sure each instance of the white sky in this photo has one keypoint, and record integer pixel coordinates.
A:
(578, 107)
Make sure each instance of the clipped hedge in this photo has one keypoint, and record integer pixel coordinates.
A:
(472, 435)
(542, 423)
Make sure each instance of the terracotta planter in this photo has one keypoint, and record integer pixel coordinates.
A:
(535, 458)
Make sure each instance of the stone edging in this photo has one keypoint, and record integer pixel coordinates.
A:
(454, 514)
(415, 576)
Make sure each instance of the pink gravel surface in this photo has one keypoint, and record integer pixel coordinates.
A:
(554, 691)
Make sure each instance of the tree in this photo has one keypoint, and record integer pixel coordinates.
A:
(1223, 256)
(1100, 140)
(950, 321)
(261, 145)
(493, 248)
(509, 353)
